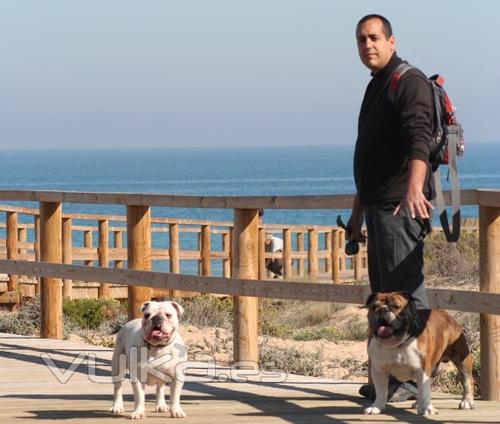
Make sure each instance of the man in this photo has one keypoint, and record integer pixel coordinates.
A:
(274, 244)
(391, 168)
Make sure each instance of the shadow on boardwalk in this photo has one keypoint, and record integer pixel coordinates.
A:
(29, 392)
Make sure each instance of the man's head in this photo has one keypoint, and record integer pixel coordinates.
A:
(376, 44)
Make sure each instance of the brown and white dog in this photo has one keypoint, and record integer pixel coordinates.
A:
(410, 346)
(153, 352)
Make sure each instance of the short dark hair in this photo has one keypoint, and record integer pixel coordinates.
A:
(386, 25)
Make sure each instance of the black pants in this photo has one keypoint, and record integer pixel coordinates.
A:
(275, 266)
(395, 251)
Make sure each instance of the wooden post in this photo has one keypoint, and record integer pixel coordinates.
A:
(335, 256)
(262, 254)
(103, 253)
(358, 266)
(173, 235)
(37, 251)
(138, 254)
(205, 250)
(12, 249)
(226, 248)
(245, 265)
(22, 236)
(51, 251)
(489, 281)
(328, 248)
(287, 254)
(118, 244)
(87, 242)
(341, 247)
(67, 254)
(312, 254)
(300, 248)
(22, 233)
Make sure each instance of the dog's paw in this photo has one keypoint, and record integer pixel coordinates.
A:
(414, 405)
(138, 415)
(372, 410)
(429, 410)
(162, 407)
(177, 412)
(117, 408)
(466, 404)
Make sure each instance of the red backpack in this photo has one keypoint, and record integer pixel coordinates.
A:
(448, 145)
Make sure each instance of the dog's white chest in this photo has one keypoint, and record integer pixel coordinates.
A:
(404, 362)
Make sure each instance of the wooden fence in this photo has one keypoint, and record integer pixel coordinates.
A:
(91, 238)
(244, 284)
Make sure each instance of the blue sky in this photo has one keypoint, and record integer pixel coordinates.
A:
(175, 73)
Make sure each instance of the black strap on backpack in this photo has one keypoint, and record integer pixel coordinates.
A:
(453, 134)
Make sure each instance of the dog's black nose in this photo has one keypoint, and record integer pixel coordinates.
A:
(158, 320)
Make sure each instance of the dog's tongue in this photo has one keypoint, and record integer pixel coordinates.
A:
(384, 331)
(155, 333)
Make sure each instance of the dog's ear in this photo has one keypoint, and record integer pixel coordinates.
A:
(406, 295)
(370, 299)
(143, 307)
(179, 308)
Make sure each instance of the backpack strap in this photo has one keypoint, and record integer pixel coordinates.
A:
(396, 76)
(452, 234)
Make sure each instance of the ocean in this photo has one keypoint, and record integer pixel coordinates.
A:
(227, 171)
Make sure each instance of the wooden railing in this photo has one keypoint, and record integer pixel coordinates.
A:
(92, 238)
(245, 265)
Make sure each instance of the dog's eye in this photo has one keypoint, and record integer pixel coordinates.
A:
(168, 316)
(147, 315)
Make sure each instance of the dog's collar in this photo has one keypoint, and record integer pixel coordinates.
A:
(402, 343)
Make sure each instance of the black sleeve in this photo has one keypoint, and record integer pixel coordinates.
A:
(414, 107)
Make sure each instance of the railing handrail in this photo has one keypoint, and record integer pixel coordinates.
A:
(487, 197)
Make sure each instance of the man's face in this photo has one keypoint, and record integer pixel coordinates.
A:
(374, 48)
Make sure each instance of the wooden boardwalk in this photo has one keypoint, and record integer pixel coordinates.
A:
(30, 392)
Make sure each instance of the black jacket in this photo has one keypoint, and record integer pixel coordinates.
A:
(392, 132)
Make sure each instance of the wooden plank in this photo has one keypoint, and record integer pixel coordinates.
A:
(341, 201)
(67, 254)
(10, 297)
(12, 249)
(103, 253)
(459, 300)
(312, 254)
(490, 198)
(287, 254)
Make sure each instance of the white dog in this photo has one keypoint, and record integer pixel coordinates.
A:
(152, 350)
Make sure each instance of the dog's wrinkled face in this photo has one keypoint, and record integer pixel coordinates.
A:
(390, 315)
(160, 321)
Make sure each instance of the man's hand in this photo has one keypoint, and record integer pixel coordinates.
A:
(417, 203)
(353, 227)
(414, 198)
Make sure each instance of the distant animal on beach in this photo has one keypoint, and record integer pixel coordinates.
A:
(153, 351)
(410, 345)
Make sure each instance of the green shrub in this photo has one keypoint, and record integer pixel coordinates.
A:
(91, 313)
(25, 321)
(457, 261)
(208, 311)
(355, 329)
(328, 333)
(290, 360)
